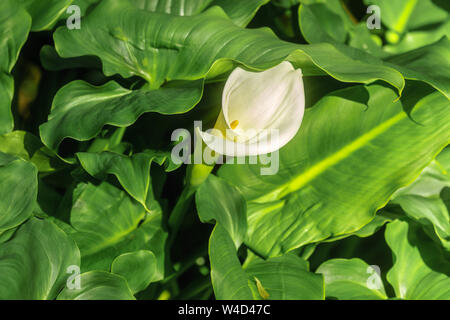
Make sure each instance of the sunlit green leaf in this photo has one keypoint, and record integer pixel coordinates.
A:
(369, 149)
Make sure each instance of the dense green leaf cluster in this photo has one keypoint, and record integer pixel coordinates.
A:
(92, 206)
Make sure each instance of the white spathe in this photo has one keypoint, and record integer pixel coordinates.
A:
(261, 111)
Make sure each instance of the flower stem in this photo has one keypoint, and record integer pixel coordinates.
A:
(196, 175)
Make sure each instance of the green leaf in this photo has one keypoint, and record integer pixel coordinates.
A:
(33, 264)
(15, 23)
(420, 271)
(355, 148)
(413, 24)
(328, 22)
(424, 64)
(99, 285)
(367, 230)
(430, 212)
(107, 223)
(431, 181)
(218, 200)
(18, 190)
(420, 38)
(132, 172)
(6, 96)
(323, 21)
(227, 276)
(285, 278)
(351, 279)
(51, 61)
(138, 267)
(424, 200)
(208, 44)
(28, 147)
(80, 110)
(240, 12)
(45, 13)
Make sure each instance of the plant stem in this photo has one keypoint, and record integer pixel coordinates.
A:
(179, 211)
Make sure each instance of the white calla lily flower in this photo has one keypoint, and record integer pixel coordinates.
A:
(261, 112)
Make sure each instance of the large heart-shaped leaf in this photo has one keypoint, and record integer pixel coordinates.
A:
(34, 263)
(15, 23)
(335, 174)
(107, 223)
(160, 47)
(420, 271)
(18, 190)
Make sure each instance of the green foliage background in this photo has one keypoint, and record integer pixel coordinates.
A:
(86, 179)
